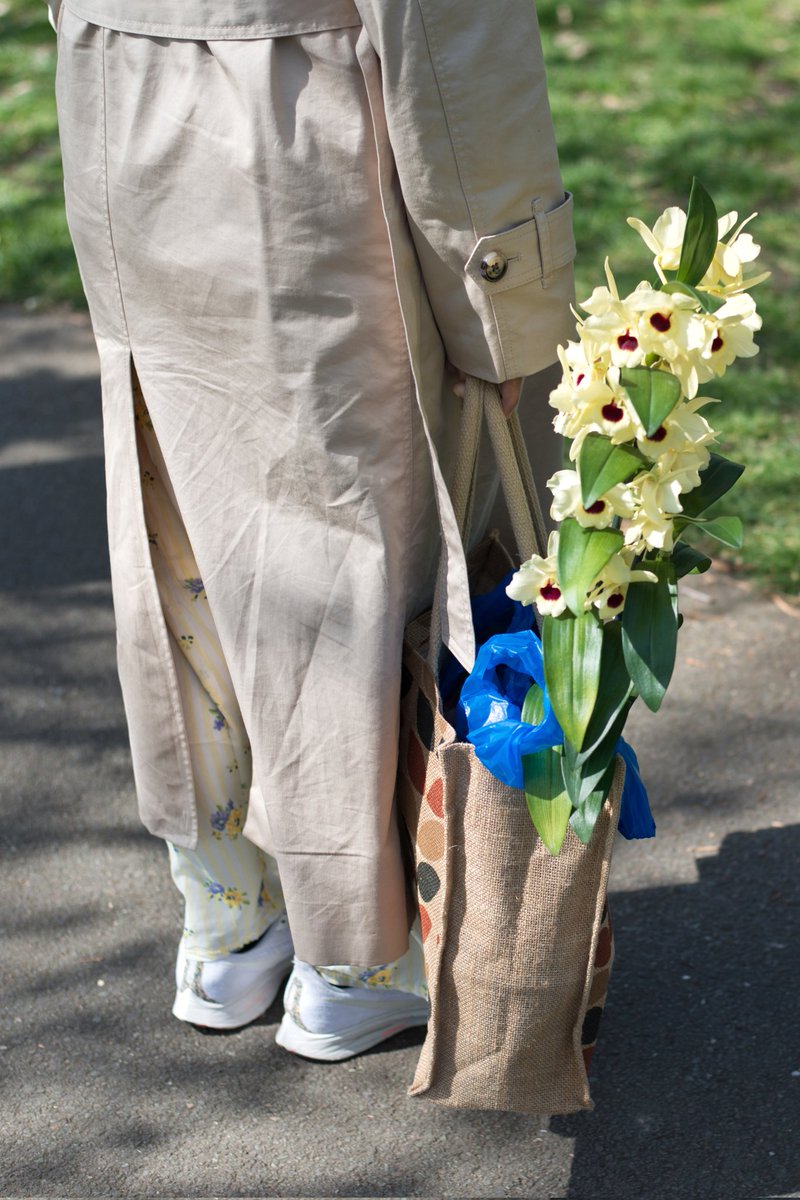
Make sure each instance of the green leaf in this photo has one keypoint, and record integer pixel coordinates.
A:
(584, 769)
(615, 689)
(715, 480)
(601, 465)
(572, 649)
(584, 819)
(581, 774)
(582, 554)
(533, 705)
(701, 236)
(650, 634)
(548, 803)
(652, 393)
(707, 302)
(688, 561)
(727, 530)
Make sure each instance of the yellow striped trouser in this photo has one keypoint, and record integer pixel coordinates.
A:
(231, 889)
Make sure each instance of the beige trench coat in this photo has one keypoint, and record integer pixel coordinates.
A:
(280, 210)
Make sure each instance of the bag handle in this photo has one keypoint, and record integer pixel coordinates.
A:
(516, 475)
(482, 399)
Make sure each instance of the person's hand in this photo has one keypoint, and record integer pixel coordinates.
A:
(509, 390)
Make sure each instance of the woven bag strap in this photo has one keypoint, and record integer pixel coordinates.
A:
(516, 477)
(462, 488)
(523, 461)
(482, 399)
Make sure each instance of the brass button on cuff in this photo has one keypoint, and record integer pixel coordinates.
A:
(494, 266)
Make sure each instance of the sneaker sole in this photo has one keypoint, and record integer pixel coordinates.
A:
(245, 1009)
(334, 1047)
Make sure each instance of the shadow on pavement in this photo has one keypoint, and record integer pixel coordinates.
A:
(697, 1076)
(696, 1079)
(52, 488)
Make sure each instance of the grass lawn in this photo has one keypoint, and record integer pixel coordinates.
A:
(37, 266)
(644, 96)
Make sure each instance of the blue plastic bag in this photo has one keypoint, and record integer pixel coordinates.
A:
(492, 613)
(635, 817)
(491, 702)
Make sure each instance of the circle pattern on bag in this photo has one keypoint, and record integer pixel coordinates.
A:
(603, 960)
(435, 798)
(420, 796)
(428, 881)
(430, 840)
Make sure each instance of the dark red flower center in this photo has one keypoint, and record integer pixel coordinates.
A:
(615, 600)
(661, 321)
(626, 341)
(612, 412)
(597, 507)
(659, 434)
(550, 592)
(580, 379)
(717, 343)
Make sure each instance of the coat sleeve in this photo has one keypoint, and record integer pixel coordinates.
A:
(469, 121)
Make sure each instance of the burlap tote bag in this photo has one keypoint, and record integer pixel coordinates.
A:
(518, 944)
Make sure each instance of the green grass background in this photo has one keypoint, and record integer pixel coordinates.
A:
(644, 96)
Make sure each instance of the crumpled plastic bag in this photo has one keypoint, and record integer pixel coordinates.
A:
(635, 817)
(491, 701)
(492, 613)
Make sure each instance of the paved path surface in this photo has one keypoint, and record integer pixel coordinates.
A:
(697, 1078)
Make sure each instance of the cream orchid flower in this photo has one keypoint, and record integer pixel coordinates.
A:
(657, 493)
(682, 430)
(670, 326)
(575, 365)
(613, 336)
(664, 322)
(665, 239)
(688, 367)
(603, 299)
(536, 582)
(578, 373)
(729, 335)
(568, 502)
(606, 332)
(601, 407)
(684, 466)
(611, 587)
(726, 273)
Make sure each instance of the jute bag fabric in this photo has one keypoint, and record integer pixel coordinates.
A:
(518, 944)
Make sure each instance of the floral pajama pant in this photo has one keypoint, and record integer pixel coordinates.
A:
(231, 888)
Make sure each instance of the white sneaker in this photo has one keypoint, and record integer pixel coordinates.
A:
(225, 993)
(327, 1022)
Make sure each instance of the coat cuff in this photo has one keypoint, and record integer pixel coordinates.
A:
(520, 287)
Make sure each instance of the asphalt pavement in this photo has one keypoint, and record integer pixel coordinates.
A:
(697, 1075)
